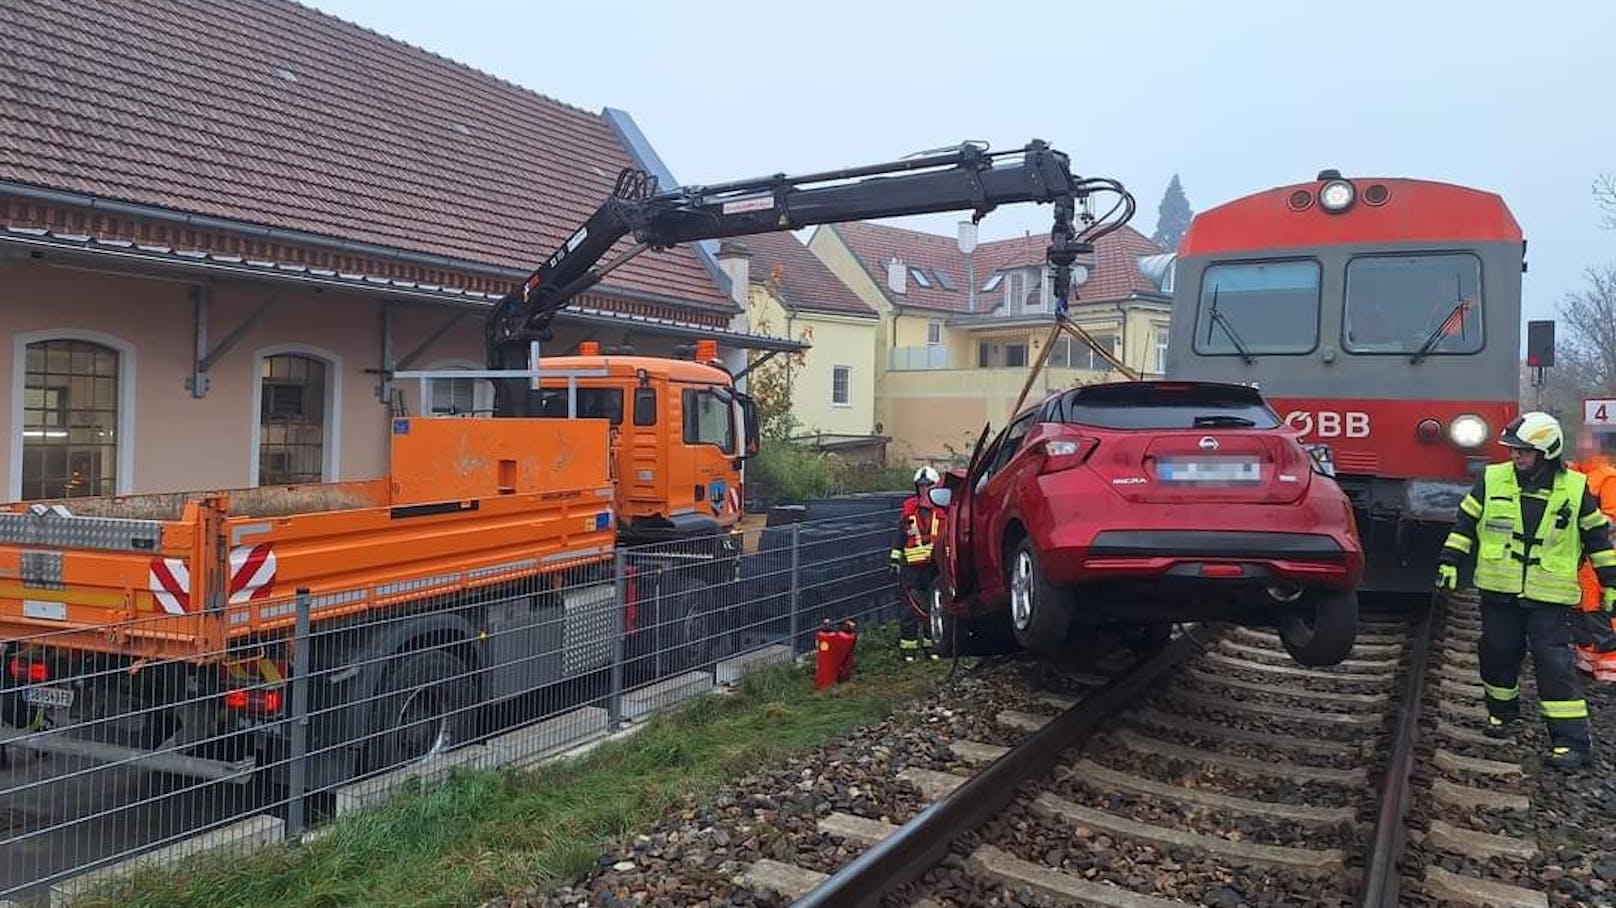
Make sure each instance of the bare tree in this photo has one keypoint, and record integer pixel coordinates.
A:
(1589, 316)
(1605, 198)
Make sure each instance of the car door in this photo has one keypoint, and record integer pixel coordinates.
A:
(956, 555)
(992, 493)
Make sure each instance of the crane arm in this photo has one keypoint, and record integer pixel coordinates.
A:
(965, 178)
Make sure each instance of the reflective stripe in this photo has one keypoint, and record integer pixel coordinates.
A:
(1565, 709)
(1596, 519)
(1471, 507)
(908, 644)
(1504, 694)
(1604, 559)
(1459, 542)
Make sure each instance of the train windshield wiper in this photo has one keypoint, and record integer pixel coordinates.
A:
(1222, 321)
(1441, 329)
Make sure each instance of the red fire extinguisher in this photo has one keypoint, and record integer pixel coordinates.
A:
(834, 661)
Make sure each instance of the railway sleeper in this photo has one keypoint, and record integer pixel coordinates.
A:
(1102, 779)
(1482, 846)
(1455, 888)
(1216, 731)
(1152, 747)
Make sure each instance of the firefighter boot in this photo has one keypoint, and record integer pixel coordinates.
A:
(909, 648)
(1503, 710)
(1565, 757)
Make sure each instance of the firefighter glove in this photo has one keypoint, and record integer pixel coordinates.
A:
(1607, 600)
(1447, 577)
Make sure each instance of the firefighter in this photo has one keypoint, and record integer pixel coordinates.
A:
(918, 526)
(1592, 629)
(1526, 525)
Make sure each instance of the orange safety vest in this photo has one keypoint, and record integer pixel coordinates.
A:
(1600, 472)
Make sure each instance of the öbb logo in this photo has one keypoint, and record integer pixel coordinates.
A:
(1330, 424)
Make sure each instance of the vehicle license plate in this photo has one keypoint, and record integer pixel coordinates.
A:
(48, 696)
(1222, 469)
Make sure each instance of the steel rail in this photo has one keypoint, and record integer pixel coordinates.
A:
(1381, 878)
(921, 843)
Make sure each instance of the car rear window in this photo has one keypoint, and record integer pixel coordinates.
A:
(1169, 406)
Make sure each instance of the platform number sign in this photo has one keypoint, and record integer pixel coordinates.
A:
(1599, 412)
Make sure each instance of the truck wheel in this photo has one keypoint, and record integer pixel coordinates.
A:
(688, 631)
(1320, 629)
(1040, 612)
(424, 708)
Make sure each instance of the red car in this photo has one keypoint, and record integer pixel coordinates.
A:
(1134, 505)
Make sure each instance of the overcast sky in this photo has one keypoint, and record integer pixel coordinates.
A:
(1233, 96)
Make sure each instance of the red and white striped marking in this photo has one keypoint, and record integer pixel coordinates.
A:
(735, 499)
(170, 581)
(252, 572)
(252, 576)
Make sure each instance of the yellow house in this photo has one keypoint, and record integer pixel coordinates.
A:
(832, 384)
(958, 334)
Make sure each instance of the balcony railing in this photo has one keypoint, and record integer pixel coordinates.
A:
(918, 359)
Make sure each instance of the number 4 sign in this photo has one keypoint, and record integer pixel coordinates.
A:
(1599, 411)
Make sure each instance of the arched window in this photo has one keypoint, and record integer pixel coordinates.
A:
(294, 422)
(70, 409)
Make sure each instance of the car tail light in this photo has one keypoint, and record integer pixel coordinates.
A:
(27, 670)
(258, 700)
(1066, 453)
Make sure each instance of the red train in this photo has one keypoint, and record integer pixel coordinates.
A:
(1381, 318)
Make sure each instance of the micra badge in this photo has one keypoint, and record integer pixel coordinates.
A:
(1129, 481)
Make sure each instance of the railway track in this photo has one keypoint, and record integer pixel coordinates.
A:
(1217, 773)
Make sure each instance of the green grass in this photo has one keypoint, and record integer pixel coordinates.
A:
(484, 833)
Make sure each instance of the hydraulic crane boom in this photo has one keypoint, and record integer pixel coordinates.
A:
(966, 178)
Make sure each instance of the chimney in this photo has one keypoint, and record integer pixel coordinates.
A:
(736, 262)
(897, 276)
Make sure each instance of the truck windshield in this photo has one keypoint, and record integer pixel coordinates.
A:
(593, 403)
(1416, 304)
(1169, 405)
(1253, 308)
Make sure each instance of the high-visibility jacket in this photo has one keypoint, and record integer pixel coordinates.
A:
(1528, 543)
(1600, 472)
(919, 525)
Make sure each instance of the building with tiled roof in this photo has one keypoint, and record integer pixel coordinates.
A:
(247, 213)
(832, 385)
(960, 333)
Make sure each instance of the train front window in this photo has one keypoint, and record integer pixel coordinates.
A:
(1253, 308)
(1413, 304)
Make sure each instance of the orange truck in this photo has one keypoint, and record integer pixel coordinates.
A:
(158, 628)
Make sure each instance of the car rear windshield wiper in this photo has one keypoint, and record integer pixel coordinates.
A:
(1222, 321)
(1223, 419)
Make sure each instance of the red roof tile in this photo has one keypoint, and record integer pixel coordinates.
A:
(1114, 276)
(268, 112)
(805, 283)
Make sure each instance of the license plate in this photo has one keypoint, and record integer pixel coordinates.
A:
(1224, 469)
(48, 696)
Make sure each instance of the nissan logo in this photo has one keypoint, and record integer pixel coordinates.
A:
(1208, 443)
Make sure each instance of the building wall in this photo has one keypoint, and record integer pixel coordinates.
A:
(169, 439)
(836, 341)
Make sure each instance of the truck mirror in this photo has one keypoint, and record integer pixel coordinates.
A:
(749, 421)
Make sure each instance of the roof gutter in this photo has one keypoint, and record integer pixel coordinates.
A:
(316, 240)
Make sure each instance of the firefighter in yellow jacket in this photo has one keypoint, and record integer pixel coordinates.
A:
(1526, 526)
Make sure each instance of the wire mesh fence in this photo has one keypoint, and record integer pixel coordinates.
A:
(289, 710)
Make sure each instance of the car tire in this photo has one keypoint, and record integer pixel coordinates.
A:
(1321, 629)
(1040, 612)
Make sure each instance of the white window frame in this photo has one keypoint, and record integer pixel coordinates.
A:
(124, 481)
(847, 386)
(934, 333)
(1161, 337)
(331, 449)
(482, 397)
(920, 277)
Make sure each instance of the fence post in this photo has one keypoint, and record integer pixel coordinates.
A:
(614, 705)
(296, 771)
(796, 585)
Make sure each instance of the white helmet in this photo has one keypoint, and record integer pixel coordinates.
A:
(926, 475)
(1536, 430)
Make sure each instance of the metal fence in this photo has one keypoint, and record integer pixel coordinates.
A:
(106, 757)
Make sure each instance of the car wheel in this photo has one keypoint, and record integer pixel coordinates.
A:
(1040, 613)
(1320, 629)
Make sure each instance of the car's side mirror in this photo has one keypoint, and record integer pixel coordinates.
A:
(940, 497)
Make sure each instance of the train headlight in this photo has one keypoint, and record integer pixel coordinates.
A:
(1468, 431)
(1336, 196)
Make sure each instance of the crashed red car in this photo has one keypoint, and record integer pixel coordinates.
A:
(1134, 505)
